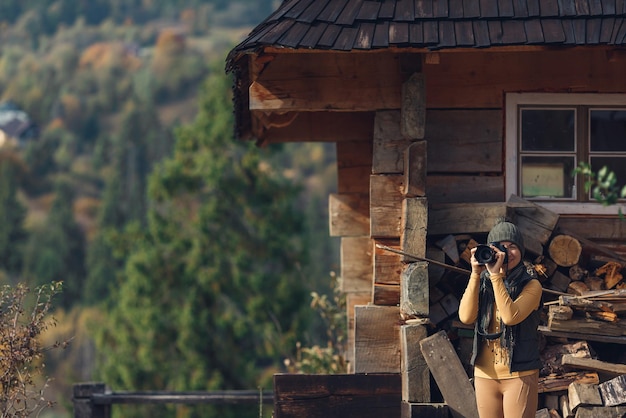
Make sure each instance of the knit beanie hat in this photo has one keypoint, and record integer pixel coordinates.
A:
(507, 231)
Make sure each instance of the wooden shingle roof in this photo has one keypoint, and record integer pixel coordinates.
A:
(345, 25)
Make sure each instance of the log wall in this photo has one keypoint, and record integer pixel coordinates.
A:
(398, 186)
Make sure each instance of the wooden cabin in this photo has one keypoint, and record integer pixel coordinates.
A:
(446, 115)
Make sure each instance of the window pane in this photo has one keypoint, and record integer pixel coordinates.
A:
(547, 177)
(608, 130)
(548, 129)
(615, 164)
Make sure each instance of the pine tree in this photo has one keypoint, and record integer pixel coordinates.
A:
(212, 297)
(56, 250)
(12, 214)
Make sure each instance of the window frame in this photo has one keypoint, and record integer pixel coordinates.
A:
(512, 173)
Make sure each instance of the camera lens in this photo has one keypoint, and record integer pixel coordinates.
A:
(484, 254)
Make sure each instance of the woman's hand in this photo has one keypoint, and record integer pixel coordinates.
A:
(496, 266)
(476, 267)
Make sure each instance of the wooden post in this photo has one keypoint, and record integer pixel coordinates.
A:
(413, 108)
(414, 226)
(84, 407)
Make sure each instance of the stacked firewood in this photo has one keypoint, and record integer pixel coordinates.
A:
(584, 304)
(587, 304)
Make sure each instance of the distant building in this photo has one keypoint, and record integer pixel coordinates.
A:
(16, 127)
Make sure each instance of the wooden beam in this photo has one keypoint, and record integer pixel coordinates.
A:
(464, 141)
(592, 364)
(464, 188)
(413, 109)
(354, 167)
(356, 264)
(314, 82)
(450, 375)
(322, 127)
(464, 218)
(336, 395)
(377, 339)
(348, 215)
(414, 226)
(386, 294)
(388, 266)
(386, 205)
(389, 143)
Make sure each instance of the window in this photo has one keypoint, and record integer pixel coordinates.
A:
(547, 135)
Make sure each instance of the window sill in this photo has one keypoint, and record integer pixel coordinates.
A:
(574, 208)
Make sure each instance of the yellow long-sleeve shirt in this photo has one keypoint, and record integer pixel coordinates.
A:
(492, 363)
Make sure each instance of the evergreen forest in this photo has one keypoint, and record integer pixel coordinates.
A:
(189, 260)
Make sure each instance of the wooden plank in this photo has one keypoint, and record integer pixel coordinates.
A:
(348, 215)
(389, 143)
(450, 375)
(377, 339)
(414, 370)
(464, 141)
(583, 327)
(354, 167)
(413, 110)
(414, 295)
(592, 364)
(352, 300)
(573, 335)
(336, 395)
(386, 205)
(415, 170)
(464, 218)
(356, 264)
(414, 226)
(464, 188)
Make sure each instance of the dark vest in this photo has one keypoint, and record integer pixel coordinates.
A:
(525, 351)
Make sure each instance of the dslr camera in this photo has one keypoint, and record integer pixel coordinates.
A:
(486, 255)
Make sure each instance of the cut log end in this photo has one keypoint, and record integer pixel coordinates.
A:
(565, 250)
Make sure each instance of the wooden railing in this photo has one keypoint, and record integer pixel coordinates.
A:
(93, 400)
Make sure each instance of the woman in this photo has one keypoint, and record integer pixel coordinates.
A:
(503, 300)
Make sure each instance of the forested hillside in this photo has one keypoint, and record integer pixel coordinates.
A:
(187, 257)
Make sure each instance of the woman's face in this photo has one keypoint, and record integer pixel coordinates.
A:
(514, 253)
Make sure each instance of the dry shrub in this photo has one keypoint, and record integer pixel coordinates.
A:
(24, 315)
